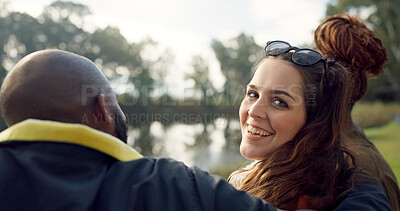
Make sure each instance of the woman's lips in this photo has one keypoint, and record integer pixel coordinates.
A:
(255, 131)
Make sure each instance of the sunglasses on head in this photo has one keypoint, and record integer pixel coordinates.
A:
(300, 56)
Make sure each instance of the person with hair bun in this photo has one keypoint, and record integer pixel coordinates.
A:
(348, 41)
(293, 119)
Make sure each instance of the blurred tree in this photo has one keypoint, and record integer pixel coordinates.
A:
(4, 34)
(67, 12)
(202, 82)
(236, 59)
(383, 17)
(24, 34)
(18, 37)
(62, 25)
(58, 28)
(119, 58)
(145, 141)
(201, 78)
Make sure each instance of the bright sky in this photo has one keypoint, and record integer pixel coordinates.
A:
(188, 26)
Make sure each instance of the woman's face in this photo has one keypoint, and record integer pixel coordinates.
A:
(273, 110)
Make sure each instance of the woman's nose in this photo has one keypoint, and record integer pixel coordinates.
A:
(258, 109)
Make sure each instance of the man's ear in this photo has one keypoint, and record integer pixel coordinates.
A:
(103, 112)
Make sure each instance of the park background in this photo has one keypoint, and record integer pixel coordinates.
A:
(180, 67)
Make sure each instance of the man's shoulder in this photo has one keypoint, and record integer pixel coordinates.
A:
(172, 185)
(366, 193)
(150, 166)
(149, 184)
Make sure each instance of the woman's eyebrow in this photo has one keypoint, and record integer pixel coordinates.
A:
(252, 86)
(277, 92)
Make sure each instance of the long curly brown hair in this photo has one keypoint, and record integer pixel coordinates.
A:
(314, 163)
(347, 39)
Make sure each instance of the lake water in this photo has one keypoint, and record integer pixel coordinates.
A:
(176, 142)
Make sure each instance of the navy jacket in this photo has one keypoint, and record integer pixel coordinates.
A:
(56, 166)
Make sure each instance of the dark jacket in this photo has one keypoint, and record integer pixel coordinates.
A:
(57, 166)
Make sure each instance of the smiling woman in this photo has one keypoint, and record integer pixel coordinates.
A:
(292, 120)
(273, 109)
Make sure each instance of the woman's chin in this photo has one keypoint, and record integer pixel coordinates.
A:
(250, 154)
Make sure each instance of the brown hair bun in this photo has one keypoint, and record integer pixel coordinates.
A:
(346, 39)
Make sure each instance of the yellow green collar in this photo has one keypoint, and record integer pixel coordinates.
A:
(40, 130)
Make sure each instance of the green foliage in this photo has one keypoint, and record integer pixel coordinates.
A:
(237, 58)
(145, 142)
(372, 114)
(201, 78)
(383, 17)
(61, 26)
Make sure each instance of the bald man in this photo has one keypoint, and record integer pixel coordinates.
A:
(65, 150)
(59, 86)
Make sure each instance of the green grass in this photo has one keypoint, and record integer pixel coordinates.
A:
(387, 139)
(374, 114)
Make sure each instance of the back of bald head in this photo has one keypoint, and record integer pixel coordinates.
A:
(51, 85)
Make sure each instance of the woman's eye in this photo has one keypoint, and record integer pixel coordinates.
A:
(280, 103)
(252, 94)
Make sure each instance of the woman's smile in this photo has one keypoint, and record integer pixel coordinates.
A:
(256, 131)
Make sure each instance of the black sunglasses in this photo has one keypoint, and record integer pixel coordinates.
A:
(301, 56)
